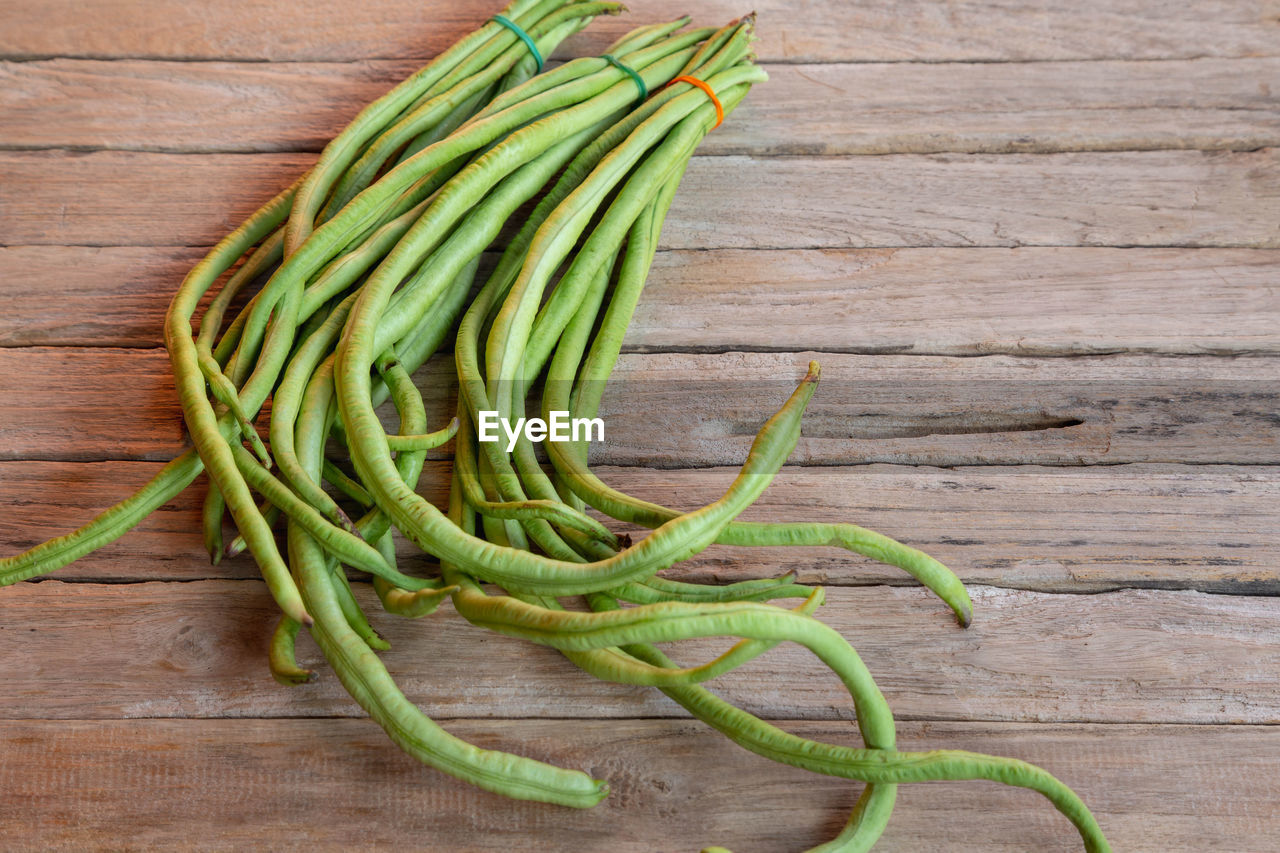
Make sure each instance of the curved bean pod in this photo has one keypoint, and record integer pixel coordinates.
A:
(526, 572)
(873, 766)
(604, 663)
(518, 510)
(281, 656)
(367, 680)
(670, 621)
(175, 476)
(569, 458)
(423, 441)
(657, 588)
(203, 424)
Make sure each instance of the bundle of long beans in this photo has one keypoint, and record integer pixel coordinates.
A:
(366, 268)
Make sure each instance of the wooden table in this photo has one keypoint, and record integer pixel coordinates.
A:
(1035, 248)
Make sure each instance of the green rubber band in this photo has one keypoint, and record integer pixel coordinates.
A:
(524, 37)
(613, 60)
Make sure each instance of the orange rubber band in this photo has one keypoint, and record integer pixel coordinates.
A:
(701, 84)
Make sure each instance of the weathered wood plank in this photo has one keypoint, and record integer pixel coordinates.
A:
(1063, 529)
(53, 400)
(678, 410)
(199, 649)
(675, 785)
(84, 296)
(110, 198)
(1049, 529)
(1029, 301)
(196, 650)
(944, 411)
(1156, 198)
(870, 108)
(1151, 198)
(804, 31)
(101, 297)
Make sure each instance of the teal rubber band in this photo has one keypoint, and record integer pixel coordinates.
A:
(613, 60)
(524, 37)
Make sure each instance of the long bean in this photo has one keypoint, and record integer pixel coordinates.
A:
(365, 266)
(569, 458)
(415, 517)
(872, 766)
(587, 174)
(365, 125)
(489, 71)
(367, 679)
(344, 147)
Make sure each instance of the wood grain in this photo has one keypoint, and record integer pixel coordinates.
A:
(336, 784)
(1035, 198)
(1029, 301)
(1153, 198)
(89, 296)
(52, 398)
(199, 650)
(795, 30)
(1157, 198)
(110, 198)
(1203, 527)
(865, 108)
(945, 411)
(1053, 529)
(677, 410)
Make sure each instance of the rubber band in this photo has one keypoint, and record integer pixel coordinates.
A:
(613, 60)
(524, 37)
(701, 84)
